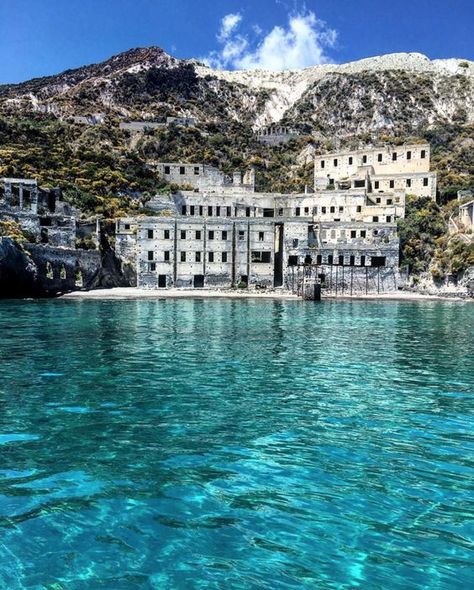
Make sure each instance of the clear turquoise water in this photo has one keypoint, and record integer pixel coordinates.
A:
(236, 445)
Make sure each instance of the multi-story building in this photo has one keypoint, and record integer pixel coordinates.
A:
(228, 236)
(378, 170)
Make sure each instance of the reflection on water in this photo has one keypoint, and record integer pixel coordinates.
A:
(236, 445)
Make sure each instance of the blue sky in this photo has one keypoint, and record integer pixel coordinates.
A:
(41, 37)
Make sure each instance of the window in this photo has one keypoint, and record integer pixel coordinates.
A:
(210, 256)
(198, 234)
(319, 259)
(261, 236)
(224, 256)
(408, 182)
(167, 170)
(341, 209)
(359, 183)
(198, 256)
(241, 235)
(392, 184)
(359, 208)
(378, 261)
(261, 257)
(297, 211)
(167, 255)
(127, 226)
(209, 211)
(280, 212)
(183, 256)
(166, 234)
(335, 162)
(364, 159)
(409, 155)
(394, 156)
(224, 235)
(201, 210)
(191, 210)
(323, 163)
(378, 200)
(423, 154)
(363, 233)
(151, 255)
(306, 210)
(330, 259)
(229, 211)
(375, 218)
(211, 234)
(295, 242)
(376, 184)
(153, 267)
(389, 219)
(425, 182)
(196, 170)
(341, 259)
(183, 209)
(162, 281)
(150, 234)
(362, 260)
(183, 234)
(182, 170)
(323, 210)
(352, 261)
(380, 158)
(247, 211)
(351, 159)
(332, 209)
(353, 233)
(269, 212)
(292, 260)
(218, 211)
(389, 201)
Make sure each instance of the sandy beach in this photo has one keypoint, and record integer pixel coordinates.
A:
(135, 293)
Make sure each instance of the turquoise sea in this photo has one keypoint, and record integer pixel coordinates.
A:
(237, 445)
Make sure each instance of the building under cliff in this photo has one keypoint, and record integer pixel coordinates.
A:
(227, 235)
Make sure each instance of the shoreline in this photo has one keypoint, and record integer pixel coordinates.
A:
(121, 293)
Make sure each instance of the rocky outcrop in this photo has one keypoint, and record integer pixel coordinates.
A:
(18, 272)
(453, 286)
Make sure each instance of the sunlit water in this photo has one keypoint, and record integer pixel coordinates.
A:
(236, 445)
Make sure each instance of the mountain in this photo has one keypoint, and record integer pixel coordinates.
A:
(395, 93)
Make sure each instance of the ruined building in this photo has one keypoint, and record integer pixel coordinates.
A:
(228, 235)
(377, 170)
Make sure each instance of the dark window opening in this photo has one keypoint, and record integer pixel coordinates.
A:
(261, 257)
(247, 211)
(261, 236)
(241, 235)
(151, 255)
(308, 259)
(295, 242)
(209, 211)
(198, 234)
(292, 260)
(378, 261)
(167, 170)
(167, 234)
(224, 235)
(162, 281)
(191, 210)
(297, 211)
(224, 256)
(183, 234)
(341, 260)
(182, 170)
(362, 260)
(183, 257)
(198, 281)
(380, 157)
(330, 259)
(211, 234)
(323, 163)
(423, 154)
(196, 170)
(364, 159)
(218, 211)
(198, 257)
(394, 156)
(319, 259)
(183, 210)
(211, 256)
(425, 182)
(408, 155)
(229, 211)
(153, 267)
(150, 234)
(375, 218)
(269, 213)
(359, 183)
(335, 162)
(392, 184)
(376, 184)
(167, 255)
(352, 260)
(351, 159)
(353, 233)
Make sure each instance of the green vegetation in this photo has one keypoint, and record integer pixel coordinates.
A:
(11, 229)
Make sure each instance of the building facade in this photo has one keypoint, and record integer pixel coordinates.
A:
(378, 170)
(226, 235)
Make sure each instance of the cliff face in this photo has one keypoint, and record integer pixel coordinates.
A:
(393, 92)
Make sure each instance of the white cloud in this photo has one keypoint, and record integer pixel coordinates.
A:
(301, 44)
(228, 25)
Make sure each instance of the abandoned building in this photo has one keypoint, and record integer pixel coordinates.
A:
(201, 177)
(466, 215)
(53, 231)
(222, 236)
(378, 170)
(276, 135)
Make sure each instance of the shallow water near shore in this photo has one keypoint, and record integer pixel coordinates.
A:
(193, 444)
